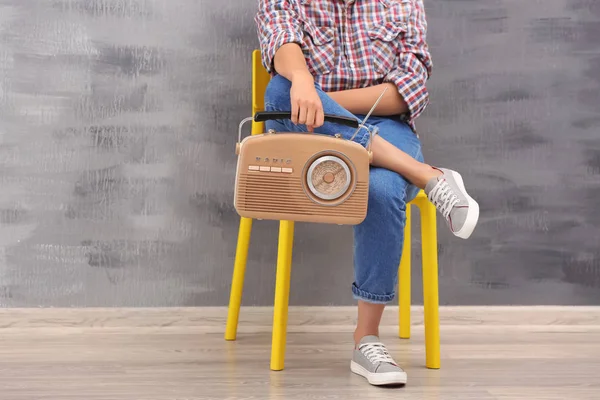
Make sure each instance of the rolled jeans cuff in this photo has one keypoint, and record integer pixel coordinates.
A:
(360, 294)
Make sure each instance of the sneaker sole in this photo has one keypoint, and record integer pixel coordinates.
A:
(379, 379)
(473, 213)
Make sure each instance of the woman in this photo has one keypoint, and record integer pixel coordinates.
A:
(337, 57)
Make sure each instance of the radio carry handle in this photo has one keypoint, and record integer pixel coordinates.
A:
(263, 116)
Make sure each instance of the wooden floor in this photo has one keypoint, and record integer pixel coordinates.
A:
(180, 354)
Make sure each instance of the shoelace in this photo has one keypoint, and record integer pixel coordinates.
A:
(443, 197)
(376, 352)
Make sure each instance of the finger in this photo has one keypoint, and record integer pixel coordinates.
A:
(319, 118)
(295, 110)
(310, 118)
(302, 115)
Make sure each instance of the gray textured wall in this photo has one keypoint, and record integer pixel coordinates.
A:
(117, 125)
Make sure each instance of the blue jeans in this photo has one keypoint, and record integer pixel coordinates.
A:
(378, 239)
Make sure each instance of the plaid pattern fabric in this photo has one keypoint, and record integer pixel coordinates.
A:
(352, 44)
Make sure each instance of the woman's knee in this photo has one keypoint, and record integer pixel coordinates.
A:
(387, 190)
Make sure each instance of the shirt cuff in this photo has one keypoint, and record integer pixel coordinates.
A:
(283, 37)
(413, 90)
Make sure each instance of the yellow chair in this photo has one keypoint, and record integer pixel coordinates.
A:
(260, 79)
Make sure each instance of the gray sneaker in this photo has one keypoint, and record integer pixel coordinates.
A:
(447, 192)
(372, 361)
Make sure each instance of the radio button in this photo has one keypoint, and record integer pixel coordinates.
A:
(253, 168)
(287, 170)
(265, 169)
(275, 169)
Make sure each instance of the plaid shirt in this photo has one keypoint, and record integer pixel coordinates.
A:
(352, 44)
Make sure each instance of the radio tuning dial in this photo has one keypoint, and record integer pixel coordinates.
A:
(328, 178)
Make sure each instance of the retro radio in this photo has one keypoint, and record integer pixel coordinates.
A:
(306, 177)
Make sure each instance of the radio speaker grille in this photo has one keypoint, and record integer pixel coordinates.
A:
(277, 194)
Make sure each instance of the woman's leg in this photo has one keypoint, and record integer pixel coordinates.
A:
(377, 252)
(445, 188)
(385, 155)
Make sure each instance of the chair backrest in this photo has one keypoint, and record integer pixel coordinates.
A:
(260, 80)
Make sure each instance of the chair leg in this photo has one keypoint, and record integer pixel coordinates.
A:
(430, 285)
(404, 282)
(282, 294)
(237, 283)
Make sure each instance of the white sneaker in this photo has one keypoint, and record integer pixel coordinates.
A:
(447, 192)
(372, 361)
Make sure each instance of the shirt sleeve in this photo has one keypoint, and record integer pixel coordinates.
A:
(277, 24)
(415, 65)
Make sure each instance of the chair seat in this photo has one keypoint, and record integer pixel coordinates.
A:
(421, 196)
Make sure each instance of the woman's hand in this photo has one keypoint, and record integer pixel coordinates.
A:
(307, 108)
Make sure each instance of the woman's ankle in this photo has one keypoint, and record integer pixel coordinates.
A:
(386, 155)
(428, 174)
(358, 335)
